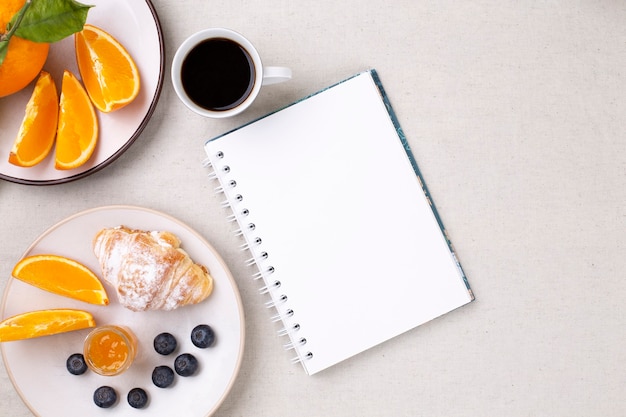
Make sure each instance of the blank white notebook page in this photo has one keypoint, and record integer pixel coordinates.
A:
(354, 252)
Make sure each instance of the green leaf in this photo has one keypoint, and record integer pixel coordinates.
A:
(51, 20)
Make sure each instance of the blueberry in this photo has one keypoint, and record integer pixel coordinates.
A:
(165, 343)
(162, 376)
(137, 398)
(76, 364)
(105, 397)
(202, 336)
(186, 364)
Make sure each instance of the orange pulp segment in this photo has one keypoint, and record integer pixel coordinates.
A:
(108, 71)
(62, 276)
(44, 323)
(77, 131)
(39, 126)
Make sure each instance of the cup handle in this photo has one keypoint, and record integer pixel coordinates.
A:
(275, 75)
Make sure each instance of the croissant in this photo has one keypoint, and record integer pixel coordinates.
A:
(149, 270)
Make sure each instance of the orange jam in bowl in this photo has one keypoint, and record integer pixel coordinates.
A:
(110, 350)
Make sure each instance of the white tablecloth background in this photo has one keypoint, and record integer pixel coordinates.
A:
(515, 112)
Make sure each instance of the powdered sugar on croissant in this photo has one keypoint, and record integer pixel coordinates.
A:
(149, 269)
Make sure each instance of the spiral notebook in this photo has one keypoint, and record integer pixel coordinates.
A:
(331, 205)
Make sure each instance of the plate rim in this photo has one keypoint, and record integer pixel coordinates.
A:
(140, 128)
(219, 258)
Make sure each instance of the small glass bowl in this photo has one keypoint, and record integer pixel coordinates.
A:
(110, 350)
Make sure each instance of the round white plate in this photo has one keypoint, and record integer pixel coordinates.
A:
(136, 25)
(37, 366)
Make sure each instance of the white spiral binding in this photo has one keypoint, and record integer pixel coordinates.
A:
(266, 289)
(260, 258)
(293, 345)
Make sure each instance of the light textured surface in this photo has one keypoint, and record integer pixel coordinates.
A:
(515, 112)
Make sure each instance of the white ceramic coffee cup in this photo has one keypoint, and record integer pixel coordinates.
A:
(262, 75)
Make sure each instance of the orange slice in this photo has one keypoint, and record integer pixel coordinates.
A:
(108, 71)
(63, 276)
(39, 126)
(44, 323)
(77, 131)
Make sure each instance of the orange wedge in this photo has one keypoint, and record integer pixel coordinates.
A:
(62, 276)
(77, 131)
(44, 323)
(108, 71)
(39, 126)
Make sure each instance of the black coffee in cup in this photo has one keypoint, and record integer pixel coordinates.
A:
(218, 74)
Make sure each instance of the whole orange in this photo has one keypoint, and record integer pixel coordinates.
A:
(24, 59)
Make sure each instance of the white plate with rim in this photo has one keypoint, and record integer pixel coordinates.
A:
(37, 367)
(135, 24)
